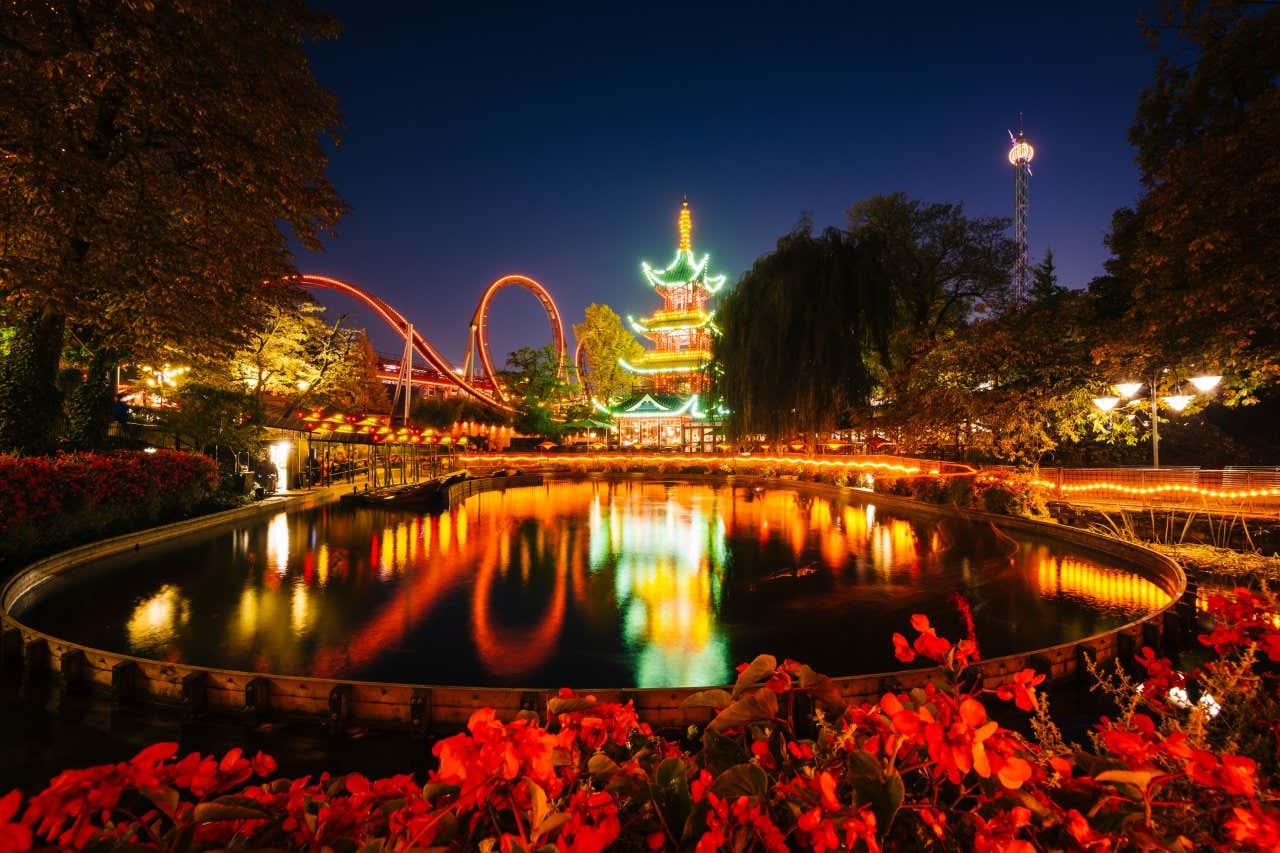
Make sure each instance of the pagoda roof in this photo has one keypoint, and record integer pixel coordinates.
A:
(683, 269)
(658, 361)
(656, 405)
(661, 321)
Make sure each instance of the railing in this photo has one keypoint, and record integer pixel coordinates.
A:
(1236, 489)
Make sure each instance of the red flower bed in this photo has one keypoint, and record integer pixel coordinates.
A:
(45, 501)
(923, 770)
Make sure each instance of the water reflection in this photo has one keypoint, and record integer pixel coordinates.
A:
(156, 621)
(592, 584)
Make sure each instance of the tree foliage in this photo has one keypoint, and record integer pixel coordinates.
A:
(154, 158)
(796, 332)
(219, 421)
(1198, 258)
(537, 378)
(299, 360)
(604, 340)
(823, 325)
(29, 400)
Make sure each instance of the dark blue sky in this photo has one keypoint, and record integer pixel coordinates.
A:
(557, 141)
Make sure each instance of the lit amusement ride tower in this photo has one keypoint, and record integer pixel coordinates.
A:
(665, 410)
(1020, 154)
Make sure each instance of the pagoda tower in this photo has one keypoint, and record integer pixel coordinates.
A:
(681, 330)
(668, 407)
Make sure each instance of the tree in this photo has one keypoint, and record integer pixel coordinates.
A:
(29, 400)
(1203, 266)
(934, 265)
(152, 157)
(298, 360)
(1044, 280)
(219, 421)
(604, 340)
(536, 377)
(798, 331)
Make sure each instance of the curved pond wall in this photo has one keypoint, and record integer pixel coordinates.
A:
(340, 702)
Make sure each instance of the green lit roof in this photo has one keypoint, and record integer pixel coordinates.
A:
(656, 405)
(673, 321)
(684, 268)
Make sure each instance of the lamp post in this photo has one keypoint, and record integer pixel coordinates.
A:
(1177, 402)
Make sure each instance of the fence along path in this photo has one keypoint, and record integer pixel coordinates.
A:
(1252, 491)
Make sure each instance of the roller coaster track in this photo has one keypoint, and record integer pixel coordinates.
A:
(478, 339)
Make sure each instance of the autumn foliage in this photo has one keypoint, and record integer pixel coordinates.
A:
(784, 763)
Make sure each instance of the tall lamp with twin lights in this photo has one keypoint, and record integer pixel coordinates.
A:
(1128, 392)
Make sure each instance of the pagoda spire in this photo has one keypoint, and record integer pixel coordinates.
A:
(685, 226)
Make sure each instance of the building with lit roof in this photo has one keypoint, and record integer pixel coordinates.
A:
(669, 406)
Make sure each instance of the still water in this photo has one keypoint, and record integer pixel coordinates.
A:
(590, 584)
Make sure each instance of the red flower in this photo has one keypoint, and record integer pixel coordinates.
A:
(13, 836)
(1022, 690)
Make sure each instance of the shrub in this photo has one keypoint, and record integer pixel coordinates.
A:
(51, 502)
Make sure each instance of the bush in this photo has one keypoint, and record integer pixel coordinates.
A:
(926, 769)
(53, 502)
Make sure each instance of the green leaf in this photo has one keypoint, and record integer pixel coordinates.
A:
(823, 690)
(715, 697)
(551, 823)
(671, 770)
(432, 790)
(1139, 779)
(670, 792)
(719, 752)
(230, 808)
(754, 707)
(164, 798)
(759, 670)
(392, 806)
(743, 780)
(895, 791)
(601, 765)
(538, 802)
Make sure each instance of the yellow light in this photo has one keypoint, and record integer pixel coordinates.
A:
(685, 224)
(1205, 384)
(1021, 152)
(1177, 402)
(1128, 389)
(1106, 404)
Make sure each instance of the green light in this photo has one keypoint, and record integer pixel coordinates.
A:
(650, 371)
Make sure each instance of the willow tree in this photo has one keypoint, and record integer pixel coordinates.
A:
(154, 160)
(798, 330)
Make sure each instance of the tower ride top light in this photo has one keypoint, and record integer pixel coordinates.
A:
(1020, 154)
(1021, 151)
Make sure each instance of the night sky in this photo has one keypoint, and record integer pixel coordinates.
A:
(556, 142)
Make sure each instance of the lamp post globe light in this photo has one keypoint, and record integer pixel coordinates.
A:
(1204, 384)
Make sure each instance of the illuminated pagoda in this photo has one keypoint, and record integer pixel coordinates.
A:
(669, 405)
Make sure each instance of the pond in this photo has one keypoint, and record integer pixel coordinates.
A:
(591, 584)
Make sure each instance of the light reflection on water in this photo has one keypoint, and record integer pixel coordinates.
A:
(588, 583)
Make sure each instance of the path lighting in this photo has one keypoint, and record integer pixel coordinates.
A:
(1176, 402)
(1128, 389)
(1205, 384)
